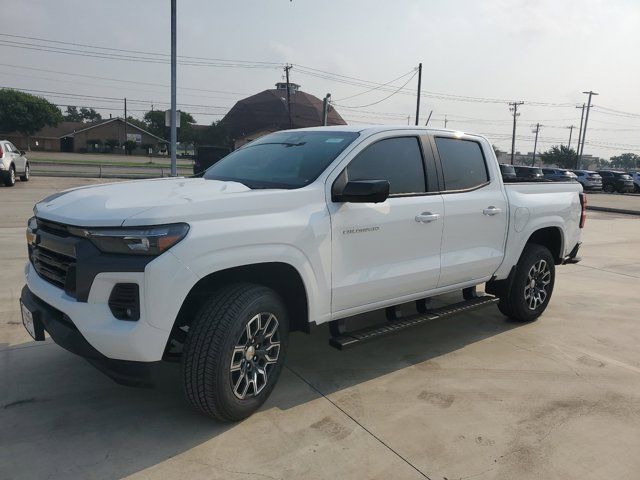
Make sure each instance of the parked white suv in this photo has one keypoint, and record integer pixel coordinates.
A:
(13, 162)
(295, 229)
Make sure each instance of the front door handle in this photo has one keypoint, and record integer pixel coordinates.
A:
(492, 211)
(427, 217)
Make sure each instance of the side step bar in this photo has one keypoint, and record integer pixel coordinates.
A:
(351, 339)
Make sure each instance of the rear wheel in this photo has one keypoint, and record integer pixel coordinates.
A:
(235, 351)
(532, 285)
(10, 177)
(25, 176)
(609, 188)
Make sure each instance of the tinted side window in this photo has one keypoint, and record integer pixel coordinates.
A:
(398, 160)
(463, 164)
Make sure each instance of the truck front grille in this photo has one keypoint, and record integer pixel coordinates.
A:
(52, 266)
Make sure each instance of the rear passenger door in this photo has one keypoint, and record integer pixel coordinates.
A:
(475, 209)
(388, 250)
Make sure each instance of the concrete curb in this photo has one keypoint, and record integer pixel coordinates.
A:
(614, 210)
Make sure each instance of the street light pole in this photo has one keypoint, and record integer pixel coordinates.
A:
(535, 144)
(174, 128)
(513, 106)
(570, 133)
(586, 119)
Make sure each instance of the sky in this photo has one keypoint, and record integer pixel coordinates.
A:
(477, 56)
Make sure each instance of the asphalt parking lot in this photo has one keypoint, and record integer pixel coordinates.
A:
(473, 396)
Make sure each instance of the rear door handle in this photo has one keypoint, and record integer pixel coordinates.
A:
(492, 211)
(427, 217)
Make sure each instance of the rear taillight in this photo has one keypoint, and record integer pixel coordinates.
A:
(1, 152)
(583, 205)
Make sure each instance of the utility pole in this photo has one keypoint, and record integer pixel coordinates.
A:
(580, 132)
(535, 144)
(428, 118)
(419, 86)
(325, 109)
(586, 119)
(570, 132)
(174, 116)
(286, 71)
(445, 121)
(513, 107)
(125, 121)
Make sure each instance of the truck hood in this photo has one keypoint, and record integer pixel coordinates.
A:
(111, 204)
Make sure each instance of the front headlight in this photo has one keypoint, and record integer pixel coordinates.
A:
(32, 226)
(134, 240)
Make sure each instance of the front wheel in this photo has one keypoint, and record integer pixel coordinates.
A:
(532, 285)
(10, 177)
(25, 176)
(234, 351)
(609, 188)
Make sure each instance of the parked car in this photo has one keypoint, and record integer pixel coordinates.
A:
(558, 174)
(589, 179)
(207, 156)
(635, 176)
(298, 228)
(613, 181)
(13, 163)
(508, 172)
(528, 174)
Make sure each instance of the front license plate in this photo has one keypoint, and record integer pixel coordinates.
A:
(27, 320)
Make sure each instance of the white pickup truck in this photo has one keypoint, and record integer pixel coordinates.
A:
(298, 228)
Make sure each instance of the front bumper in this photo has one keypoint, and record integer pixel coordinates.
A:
(66, 334)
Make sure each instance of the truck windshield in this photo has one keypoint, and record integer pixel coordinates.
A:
(282, 160)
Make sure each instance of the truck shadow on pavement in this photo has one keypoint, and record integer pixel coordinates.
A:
(61, 418)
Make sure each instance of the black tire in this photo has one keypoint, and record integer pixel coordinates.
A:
(9, 179)
(25, 176)
(515, 303)
(609, 188)
(216, 331)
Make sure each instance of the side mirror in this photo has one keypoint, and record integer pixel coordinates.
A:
(22, 152)
(363, 191)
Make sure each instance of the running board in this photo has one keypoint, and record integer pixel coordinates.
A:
(351, 339)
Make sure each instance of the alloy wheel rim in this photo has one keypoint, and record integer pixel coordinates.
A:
(13, 175)
(254, 356)
(26, 171)
(537, 284)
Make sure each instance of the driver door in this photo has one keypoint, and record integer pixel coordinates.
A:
(388, 250)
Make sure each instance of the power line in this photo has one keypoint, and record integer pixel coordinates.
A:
(377, 87)
(96, 77)
(385, 98)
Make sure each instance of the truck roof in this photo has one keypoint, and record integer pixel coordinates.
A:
(371, 129)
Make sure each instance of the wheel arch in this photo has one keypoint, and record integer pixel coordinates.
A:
(551, 238)
(282, 277)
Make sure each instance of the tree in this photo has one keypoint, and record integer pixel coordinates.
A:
(216, 134)
(628, 161)
(130, 146)
(89, 114)
(561, 156)
(26, 113)
(136, 122)
(72, 115)
(154, 120)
